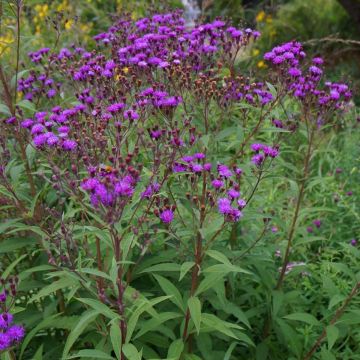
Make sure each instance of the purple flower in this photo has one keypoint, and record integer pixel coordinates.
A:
(294, 72)
(16, 332)
(224, 206)
(115, 107)
(257, 147)
(40, 140)
(27, 123)
(224, 171)
(353, 242)
(69, 145)
(131, 115)
(309, 229)
(241, 203)
(167, 216)
(124, 188)
(233, 193)
(52, 140)
(51, 93)
(258, 159)
(217, 183)
(5, 320)
(317, 223)
(5, 341)
(314, 70)
(179, 168)
(37, 129)
(207, 167)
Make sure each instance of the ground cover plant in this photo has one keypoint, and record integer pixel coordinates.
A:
(159, 201)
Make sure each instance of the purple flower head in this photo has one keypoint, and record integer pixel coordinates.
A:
(224, 171)
(309, 229)
(40, 140)
(199, 156)
(5, 320)
(241, 203)
(16, 332)
(27, 123)
(234, 215)
(353, 242)
(5, 341)
(37, 129)
(69, 145)
(52, 140)
(258, 159)
(224, 206)
(317, 61)
(179, 168)
(277, 123)
(274, 229)
(124, 188)
(217, 183)
(294, 72)
(233, 194)
(115, 107)
(257, 147)
(207, 167)
(317, 223)
(51, 93)
(197, 168)
(314, 70)
(3, 297)
(131, 115)
(167, 216)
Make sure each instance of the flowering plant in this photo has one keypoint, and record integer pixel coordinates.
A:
(145, 166)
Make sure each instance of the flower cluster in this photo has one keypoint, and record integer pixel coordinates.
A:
(262, 152)
(223, 182)
(10, 333)
(305, 84)
(106, 185)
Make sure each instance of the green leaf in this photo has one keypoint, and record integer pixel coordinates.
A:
(170, 289)
(278, 299)
(91, 353)
(176, 348)
(194, 305)
(4, 110)
(86, 319)
(303, 317)
(12, 244)
(53, 287)
(162, 267)
(131, 352)
(48, 322)
(332, 334)
(230, 350)
(100, 307)
(209, 280)
(27, 105)
(185, 267)
(115, 337)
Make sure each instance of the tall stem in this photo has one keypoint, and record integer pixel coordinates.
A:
(336, 317)
(297, 210)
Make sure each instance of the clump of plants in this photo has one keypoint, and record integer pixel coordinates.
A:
(139, 181)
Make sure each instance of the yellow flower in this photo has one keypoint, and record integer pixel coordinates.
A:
(260, 17)
(269, 19)
(125, 70)
(69, 24)
(256, 52)
(261, 64)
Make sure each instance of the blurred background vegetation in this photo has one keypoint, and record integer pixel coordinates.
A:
(327, 27)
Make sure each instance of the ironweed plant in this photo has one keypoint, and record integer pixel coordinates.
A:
(154, 199)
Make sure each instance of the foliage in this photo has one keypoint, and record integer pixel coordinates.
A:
(159, 202)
